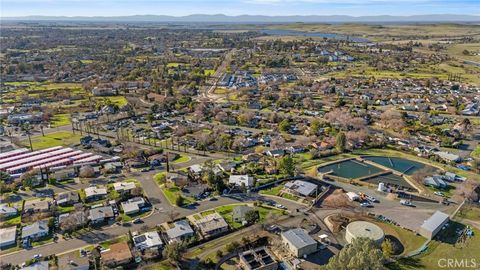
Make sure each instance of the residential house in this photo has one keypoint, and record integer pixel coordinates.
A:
(275, 153)
(36, 230)
(43, 265)
(35, 206)
(95, 193)
(7, 211)
(148, 240)
(124, 187)
(67, 198)
(238, 180)
(302, 188)
(118, 254)
(100, 214)
(448, 157)
(239, 213)
(8, 236)
(211, 225)
(133, 205)
(298, 242)
(435, 181)
(180, 231)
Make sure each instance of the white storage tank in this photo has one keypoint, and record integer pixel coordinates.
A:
(364, 229)
(381, 187)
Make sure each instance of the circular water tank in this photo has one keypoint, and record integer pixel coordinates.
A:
(364, 229)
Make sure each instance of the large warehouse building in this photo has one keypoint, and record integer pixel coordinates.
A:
(434, 224)
(22, 160)
(364, 229)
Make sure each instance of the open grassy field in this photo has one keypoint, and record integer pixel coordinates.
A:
(456, 51)
(410, 240)
(171, 193)
(53, 139)
(444, 249)
(59, 120)
(385, 32)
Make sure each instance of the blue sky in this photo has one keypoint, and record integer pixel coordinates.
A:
(236, 7)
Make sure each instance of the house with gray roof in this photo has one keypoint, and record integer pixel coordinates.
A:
(434, 224)
(100, 214)
(299, 187)
(298, 242)
(36, 230)
(180, 231)
(7, 211)
(8, 236)
(239, 213)
(67, 198)
(43, 265)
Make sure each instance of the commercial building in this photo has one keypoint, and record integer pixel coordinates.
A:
(299, 242)
(433, 225)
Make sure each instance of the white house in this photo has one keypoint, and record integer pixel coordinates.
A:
(238, 180)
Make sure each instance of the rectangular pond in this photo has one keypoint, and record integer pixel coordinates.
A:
(402, 165)
(350, 169)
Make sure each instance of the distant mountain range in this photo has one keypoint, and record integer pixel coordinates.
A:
(220, 18)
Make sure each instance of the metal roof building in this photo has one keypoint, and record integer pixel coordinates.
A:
(434, 224)
(13, 153)
(299, 242)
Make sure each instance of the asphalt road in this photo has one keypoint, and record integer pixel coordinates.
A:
(162, 213)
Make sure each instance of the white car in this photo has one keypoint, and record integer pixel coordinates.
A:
(365, 204)
(438, 193)
(36, 256)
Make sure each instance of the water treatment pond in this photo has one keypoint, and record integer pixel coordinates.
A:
(350, 169)
(404, 166)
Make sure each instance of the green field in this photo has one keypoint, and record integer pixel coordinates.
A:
(476, 153)
(181, 159)
(53, 139)
(59, 120)
(172, 193)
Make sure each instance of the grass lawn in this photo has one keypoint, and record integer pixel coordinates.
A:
(108, 243)
(118, 100)
(171, 193)
(12, 221)
(65, 209)
(209, 72)
(272, 191)
(410, 240)
(471, 213)
(59, 120)
(181, 159)
(476, 153)
(437, 250)
(164, 265)
(53, 139)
